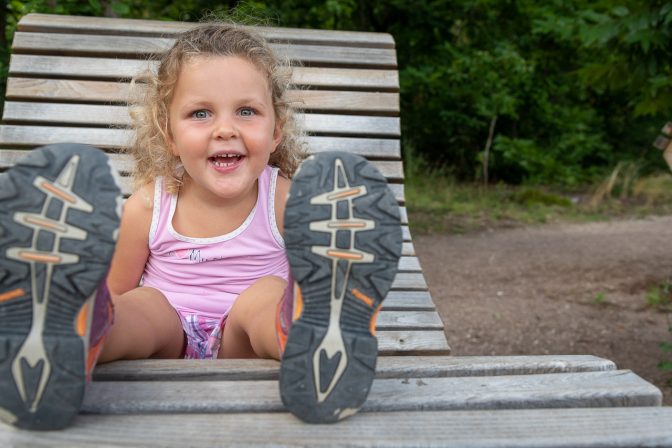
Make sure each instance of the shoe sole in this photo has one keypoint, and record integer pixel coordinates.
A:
(343, 239)
(59, 213)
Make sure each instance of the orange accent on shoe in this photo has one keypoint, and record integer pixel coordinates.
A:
(363, 297)
(36, 256)
(96, 350)
(297, 309)
(282, 337)
(374, 318)
(45, 224)
(345, 194)
(298, 303)
(344, 255)
(346, 225)
(83, 319)
(58, 192)
(13, 294)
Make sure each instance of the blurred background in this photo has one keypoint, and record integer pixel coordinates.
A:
(513, 114)
(551, 106)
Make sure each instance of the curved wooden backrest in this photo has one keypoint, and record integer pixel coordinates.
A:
(69, 81)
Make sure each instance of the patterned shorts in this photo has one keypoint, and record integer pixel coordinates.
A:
(204, 335)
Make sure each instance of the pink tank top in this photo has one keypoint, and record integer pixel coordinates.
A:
(205, 275)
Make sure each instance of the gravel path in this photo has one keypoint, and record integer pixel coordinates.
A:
(556, 289)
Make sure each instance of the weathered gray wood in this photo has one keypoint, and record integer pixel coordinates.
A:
(118, 69)
(98, 115)
(118, 92)
(409, 300)
(13, 135)
(409, 264)
(370, 148)
(412, 342)
(105, 26)
(561, 390)
(568, 428)
(409, 320)
(114, 45)
(387, 367)
(409, 281)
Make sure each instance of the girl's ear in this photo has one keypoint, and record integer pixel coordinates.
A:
(171, 143)
(277, 135)
(172, 147)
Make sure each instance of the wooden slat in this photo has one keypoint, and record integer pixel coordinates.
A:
(18, 135)
(409, 264)
(108, 115)
(103, 25)
(106, 68)
(412, 343)
(561, 390)
(118, 92)
(11, 135)
(523, 428)
(408, 300)
(409, 320)
(141, 46)
(409, 281)
(386, 367)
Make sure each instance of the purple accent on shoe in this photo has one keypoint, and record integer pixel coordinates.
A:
(286, 309)
(103, 314)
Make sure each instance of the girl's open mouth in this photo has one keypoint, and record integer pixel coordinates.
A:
(225, 160)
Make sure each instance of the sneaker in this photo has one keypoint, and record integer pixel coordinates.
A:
(59, 213)
(343, 239)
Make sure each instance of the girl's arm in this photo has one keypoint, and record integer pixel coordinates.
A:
(281, 190)
(132, 250)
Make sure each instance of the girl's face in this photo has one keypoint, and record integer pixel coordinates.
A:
(222, 125)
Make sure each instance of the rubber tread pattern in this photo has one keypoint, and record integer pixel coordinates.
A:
(73, 280)
(371, 219)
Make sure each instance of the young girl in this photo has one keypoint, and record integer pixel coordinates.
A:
(201, 267)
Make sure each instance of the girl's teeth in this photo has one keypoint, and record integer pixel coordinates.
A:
(224, 161)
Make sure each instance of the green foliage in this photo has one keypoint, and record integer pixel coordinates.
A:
(533, 196)
(572, 87)
(660, 297)
(600, 298)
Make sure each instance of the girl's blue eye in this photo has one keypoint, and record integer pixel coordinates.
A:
(200, 114)
(247, 112)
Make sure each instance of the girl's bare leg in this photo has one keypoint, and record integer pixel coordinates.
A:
(145, 326)
(250, 327)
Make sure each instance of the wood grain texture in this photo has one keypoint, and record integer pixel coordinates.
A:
(396, 343)
(562, 428)
(143, 46)
(387, 367)
(92, 68)
(420, 396)
(118, 116)
(561, 390)
(74, 90)
(108, 138)
(107, 26)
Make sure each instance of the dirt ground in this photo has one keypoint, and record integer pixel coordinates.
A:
(556, 289)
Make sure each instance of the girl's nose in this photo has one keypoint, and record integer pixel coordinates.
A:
(224, 129)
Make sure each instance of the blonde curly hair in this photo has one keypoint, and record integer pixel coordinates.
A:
(150, 116)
